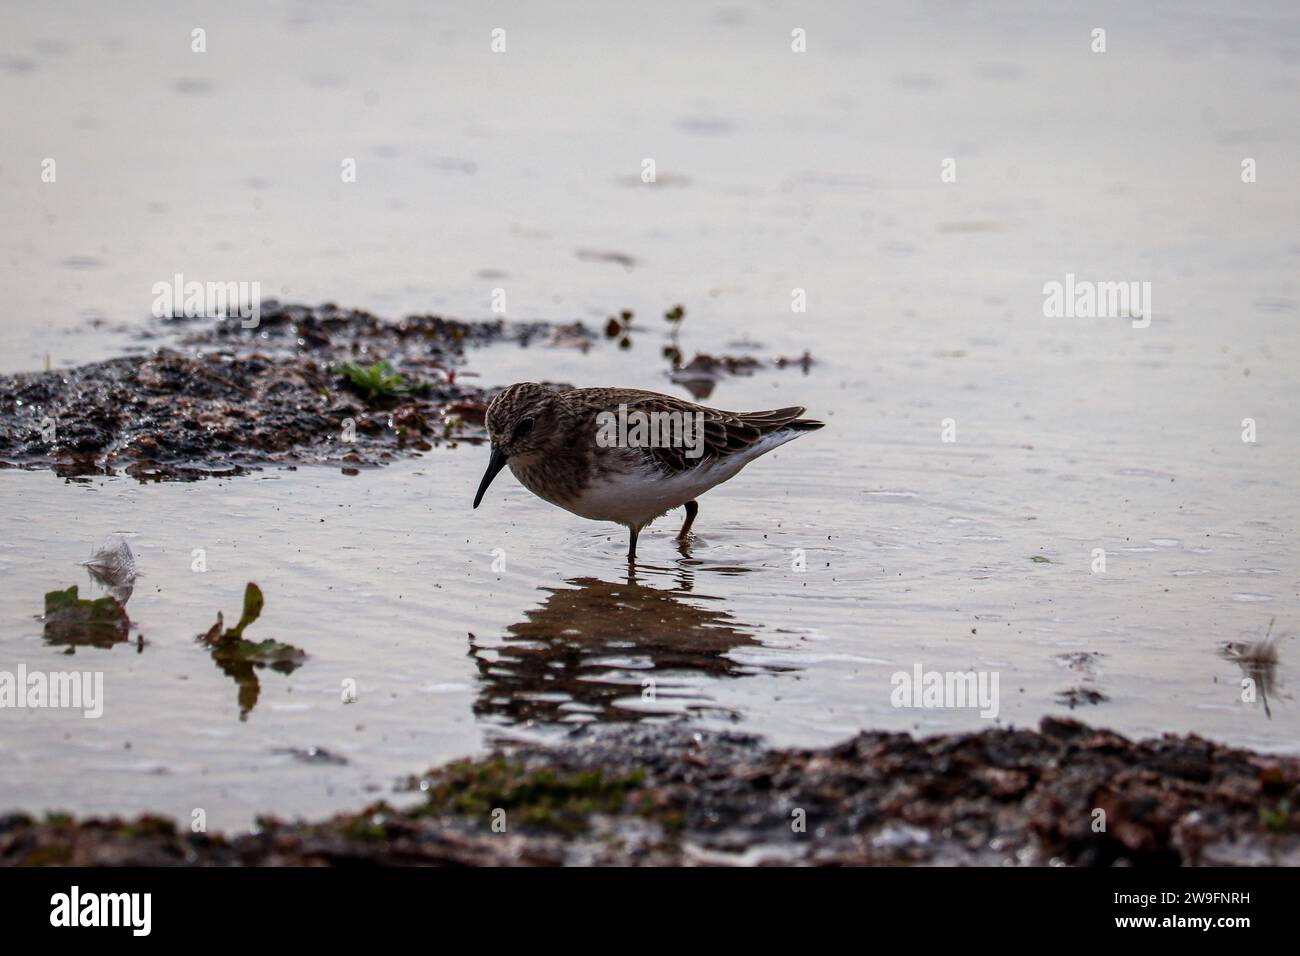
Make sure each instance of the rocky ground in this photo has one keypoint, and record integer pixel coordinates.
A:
(666, 795)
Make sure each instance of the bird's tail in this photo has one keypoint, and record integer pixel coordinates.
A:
(806, 425)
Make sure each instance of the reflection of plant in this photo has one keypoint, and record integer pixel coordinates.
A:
(620, 327)
(379, 381)
(674, 317)
(240, 659)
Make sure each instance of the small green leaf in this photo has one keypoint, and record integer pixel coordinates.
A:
(253, 602)
(240, 659)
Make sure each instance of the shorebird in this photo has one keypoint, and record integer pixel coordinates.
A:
(623, 454)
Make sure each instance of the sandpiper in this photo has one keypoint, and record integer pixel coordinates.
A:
(623, 454)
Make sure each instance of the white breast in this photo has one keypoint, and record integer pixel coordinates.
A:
(638, 497)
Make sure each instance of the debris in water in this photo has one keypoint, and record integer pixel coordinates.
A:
(312, 755)
(700, 376)
(1258, 662)
(1079, 696)
(601, 255)
(76, 621)
(240, 659)
(574, 335)
(1085, 661)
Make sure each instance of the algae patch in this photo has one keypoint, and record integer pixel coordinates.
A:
(534, 797)
(76, 621)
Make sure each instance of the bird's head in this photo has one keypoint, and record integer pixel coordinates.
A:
(524, 422)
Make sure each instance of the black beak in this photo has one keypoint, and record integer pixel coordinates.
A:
(495, 464)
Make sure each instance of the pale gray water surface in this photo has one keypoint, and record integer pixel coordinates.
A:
(818, 171)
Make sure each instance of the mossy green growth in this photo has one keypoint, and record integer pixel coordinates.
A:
(539, 798)
(56, 855)
(365, 827)
(379, 380)
(146, 826)
(72, 619)
(1276, 818)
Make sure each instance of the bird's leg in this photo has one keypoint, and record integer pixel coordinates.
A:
(692, 509)
(631, 544)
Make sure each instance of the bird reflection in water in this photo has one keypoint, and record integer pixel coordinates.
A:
(611, 651)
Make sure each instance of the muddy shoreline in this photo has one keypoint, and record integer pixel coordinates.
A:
(1065, 794)
(213, 398)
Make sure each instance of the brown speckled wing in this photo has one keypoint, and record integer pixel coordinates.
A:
(725, 433)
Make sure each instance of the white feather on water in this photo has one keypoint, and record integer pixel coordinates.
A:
(112, 564)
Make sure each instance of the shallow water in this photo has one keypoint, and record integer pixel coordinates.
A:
(925, 303)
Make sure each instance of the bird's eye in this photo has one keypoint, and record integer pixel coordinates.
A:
(523, 428)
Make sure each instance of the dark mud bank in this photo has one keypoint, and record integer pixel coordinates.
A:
(305, 386)
(1065, 794)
